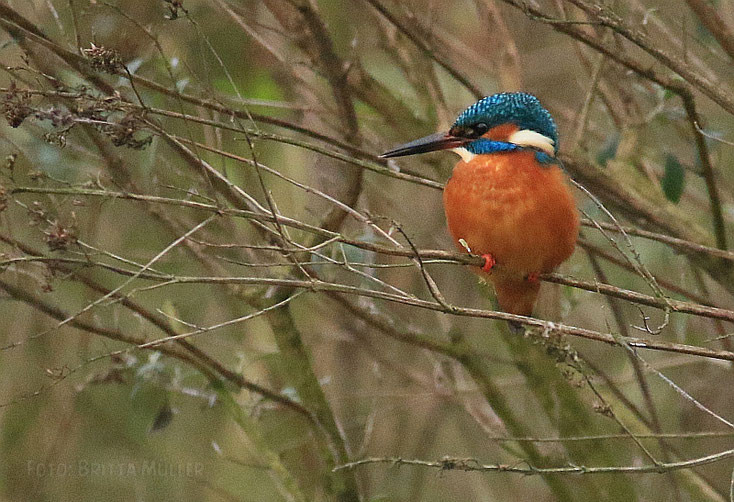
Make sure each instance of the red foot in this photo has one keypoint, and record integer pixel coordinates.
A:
(489, 262)
(532, 277)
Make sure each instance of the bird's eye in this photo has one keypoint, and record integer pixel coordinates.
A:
(471, 132)
(479, 129)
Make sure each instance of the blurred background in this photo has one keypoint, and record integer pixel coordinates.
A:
(162, 338)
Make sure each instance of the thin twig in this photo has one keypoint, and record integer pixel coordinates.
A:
(472, 465)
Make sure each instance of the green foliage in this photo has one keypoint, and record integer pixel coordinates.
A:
(609, 151)
(674, 179)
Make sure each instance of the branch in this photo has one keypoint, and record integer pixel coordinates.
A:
(435, 54)
(593, 286)
(547, 327)
(606, 17)
(472, 465)
(717, 26)
(709, 175)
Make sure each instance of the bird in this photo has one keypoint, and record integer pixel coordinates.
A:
(508, 198)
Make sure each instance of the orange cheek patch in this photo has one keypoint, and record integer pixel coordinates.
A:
(501, 132)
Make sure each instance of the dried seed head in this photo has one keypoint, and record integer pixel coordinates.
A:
(173, 7)
(55, 138)
(16, 105)
(59, 237)
(123, 133)
(104, 60)
(603, 409)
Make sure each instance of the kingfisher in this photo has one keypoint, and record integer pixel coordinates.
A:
(507, 199)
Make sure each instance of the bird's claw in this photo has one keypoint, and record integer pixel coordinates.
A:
(489, 262)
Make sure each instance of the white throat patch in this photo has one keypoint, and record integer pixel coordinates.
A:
(462, 152)
(526, 137)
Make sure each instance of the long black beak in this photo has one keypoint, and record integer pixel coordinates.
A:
(438, 141)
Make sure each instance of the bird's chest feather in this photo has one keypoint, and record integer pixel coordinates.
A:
(514, 208)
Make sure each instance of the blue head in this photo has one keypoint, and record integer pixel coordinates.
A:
(478, 129)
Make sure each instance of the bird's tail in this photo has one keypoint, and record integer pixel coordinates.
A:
(516, 295)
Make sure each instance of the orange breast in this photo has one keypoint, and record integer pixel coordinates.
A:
(518, 210)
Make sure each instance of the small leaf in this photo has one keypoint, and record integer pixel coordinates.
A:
(163, 418)
(609, 151)
(673, 180)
